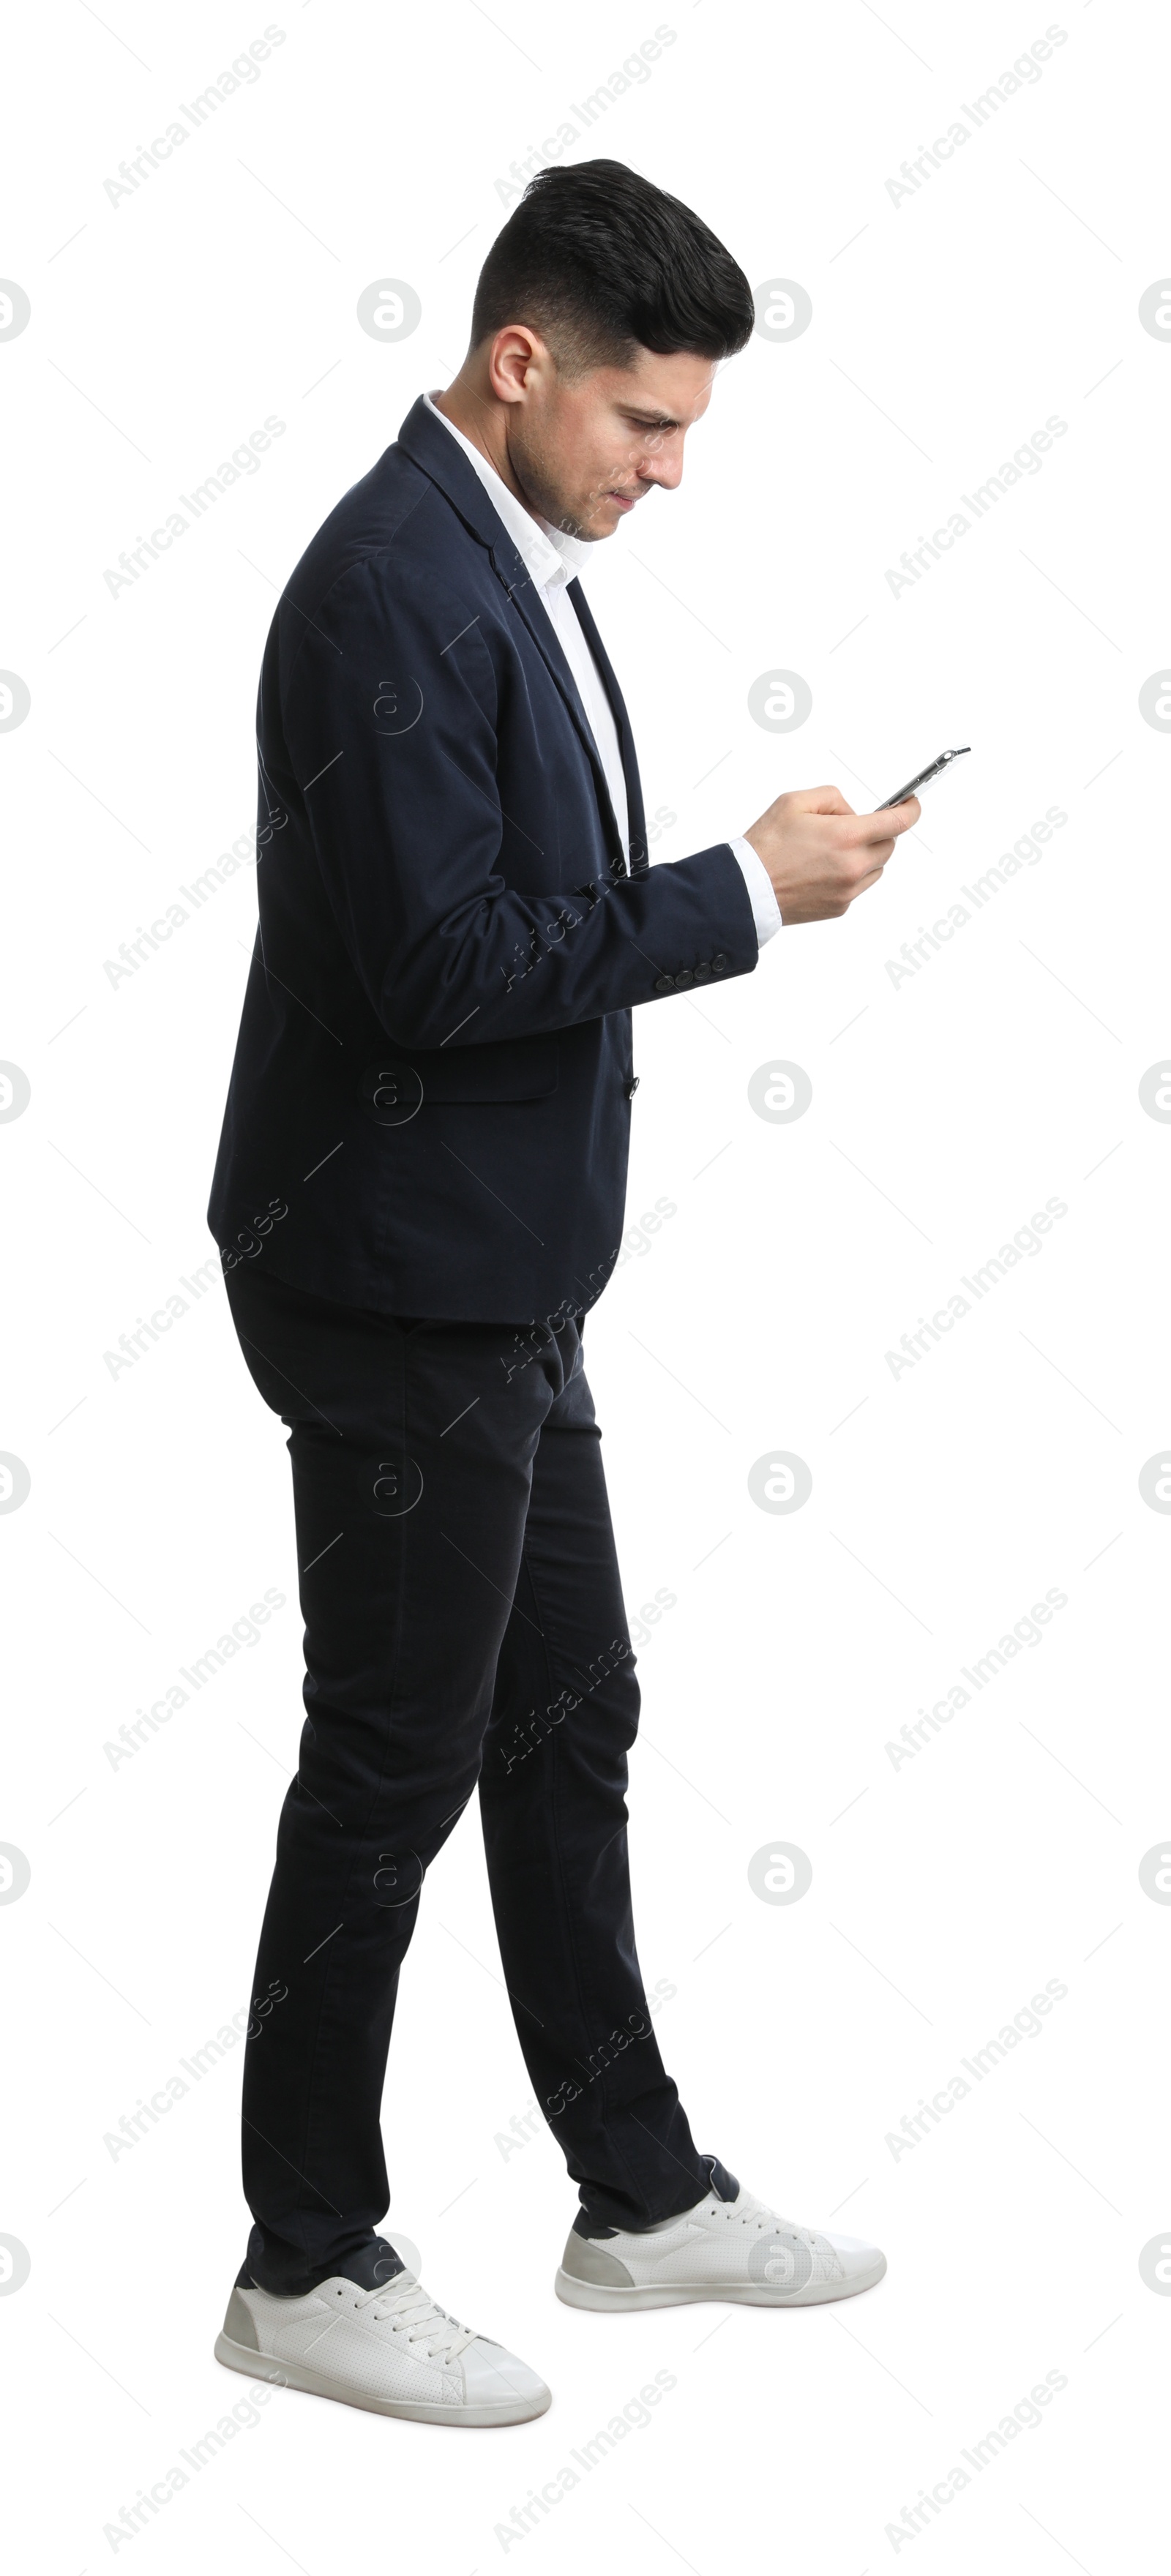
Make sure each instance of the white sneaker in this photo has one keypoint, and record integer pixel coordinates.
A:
(737, 2250)
(390, 2349)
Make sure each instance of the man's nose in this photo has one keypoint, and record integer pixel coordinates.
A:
(662, 467)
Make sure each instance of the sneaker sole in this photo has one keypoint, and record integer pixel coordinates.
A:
(317, 2383)
(592, 2294)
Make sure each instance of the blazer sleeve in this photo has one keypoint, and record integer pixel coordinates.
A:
(389, 718)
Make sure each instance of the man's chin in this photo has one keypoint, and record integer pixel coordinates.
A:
(604, 518)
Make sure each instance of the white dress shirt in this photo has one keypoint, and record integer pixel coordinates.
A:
(552, 560)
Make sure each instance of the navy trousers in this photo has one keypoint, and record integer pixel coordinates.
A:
(464, 1628)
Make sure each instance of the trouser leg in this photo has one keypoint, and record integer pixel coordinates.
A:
(552, 1801)
(412, 1456)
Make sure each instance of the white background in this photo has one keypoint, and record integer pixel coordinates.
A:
(945, 1110)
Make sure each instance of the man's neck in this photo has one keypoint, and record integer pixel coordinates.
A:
(480, 418)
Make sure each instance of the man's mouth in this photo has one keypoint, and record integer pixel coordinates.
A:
(624, 500)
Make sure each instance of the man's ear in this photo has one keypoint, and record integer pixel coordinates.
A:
(512, 354)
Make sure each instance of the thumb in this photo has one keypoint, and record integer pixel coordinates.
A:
(822, 800)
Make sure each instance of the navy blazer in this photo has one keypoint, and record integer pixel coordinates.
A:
(429, 1106)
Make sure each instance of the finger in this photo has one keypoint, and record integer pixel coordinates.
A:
(867, 832)
(865, 854)
(901, 818)
(872, 830)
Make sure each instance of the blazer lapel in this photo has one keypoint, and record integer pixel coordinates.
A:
(432, 447)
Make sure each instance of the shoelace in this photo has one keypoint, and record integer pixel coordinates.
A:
(758, 2214)
(412, 2312)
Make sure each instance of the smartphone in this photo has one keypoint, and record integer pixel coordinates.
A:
(934, 769)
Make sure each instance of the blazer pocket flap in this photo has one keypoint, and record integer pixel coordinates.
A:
(396, 1085)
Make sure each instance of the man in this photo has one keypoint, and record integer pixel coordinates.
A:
(418, 1197)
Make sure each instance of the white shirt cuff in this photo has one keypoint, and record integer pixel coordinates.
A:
(766, 911)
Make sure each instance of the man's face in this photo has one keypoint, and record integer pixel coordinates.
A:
(584, 450)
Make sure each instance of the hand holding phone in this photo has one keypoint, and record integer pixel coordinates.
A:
(819, 854)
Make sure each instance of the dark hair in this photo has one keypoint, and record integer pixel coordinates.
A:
(604, 264)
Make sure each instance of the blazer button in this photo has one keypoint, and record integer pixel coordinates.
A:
(683, 979)
(719, 963)
(664, 984)
(703, 970)
(632, 1086)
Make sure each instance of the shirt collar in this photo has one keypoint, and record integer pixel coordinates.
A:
(550, 556)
